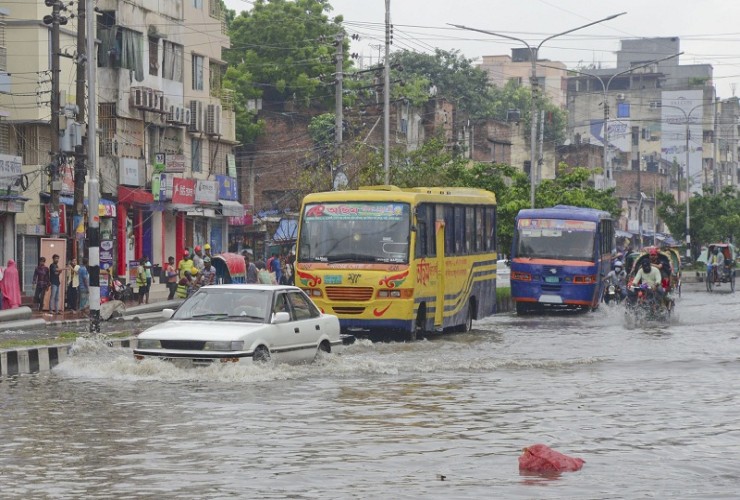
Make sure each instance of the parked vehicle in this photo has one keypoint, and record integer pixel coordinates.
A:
(238, 323)
(230, 268)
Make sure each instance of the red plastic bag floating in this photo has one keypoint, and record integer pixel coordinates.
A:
(542, 458)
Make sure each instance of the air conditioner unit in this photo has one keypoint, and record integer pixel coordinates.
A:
(185, 116)
(620, 97)
(213, 119)
(159, 102)
(169, 113)
(196, 116)
(136, 99)
(149, 100)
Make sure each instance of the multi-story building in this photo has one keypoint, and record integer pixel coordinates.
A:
(551, 75)
(166, 128)
(653, 108)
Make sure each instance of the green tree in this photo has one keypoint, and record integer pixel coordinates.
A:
(279, 50)
(714, 218)
(454, 76)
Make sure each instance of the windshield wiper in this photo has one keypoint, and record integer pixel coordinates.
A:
(206, 315)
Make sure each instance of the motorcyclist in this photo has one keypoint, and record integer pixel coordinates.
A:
(618, 278)
(649, 275)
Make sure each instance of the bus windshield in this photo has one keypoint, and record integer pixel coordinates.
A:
(365, 232)
(555, 239)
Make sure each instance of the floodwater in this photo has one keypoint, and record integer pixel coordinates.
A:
(653, 411)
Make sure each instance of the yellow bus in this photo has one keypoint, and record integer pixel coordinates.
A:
(399, 261)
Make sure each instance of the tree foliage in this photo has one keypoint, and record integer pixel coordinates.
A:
(279, 50)
(714, 218)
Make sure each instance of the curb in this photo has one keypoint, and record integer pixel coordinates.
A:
(29, 360)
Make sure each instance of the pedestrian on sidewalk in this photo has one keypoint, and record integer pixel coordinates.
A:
(73, 284)
(40, 282)
(251, 268)
(11, 286)
(185, 264)
(141, 281)
(54, 272)
(84, 288)
(171, 273)
(208, 274)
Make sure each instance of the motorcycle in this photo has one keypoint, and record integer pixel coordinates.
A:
(121, 292)
(647, 305)
(612, 294)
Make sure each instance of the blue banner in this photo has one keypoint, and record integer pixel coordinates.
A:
(227, 188)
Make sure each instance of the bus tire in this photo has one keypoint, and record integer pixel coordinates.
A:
(468, 325)
(522, 309)
(419, 325)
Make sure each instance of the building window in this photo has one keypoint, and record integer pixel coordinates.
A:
(623, 110)
(215, 77)
(121, 48)
(218, 156)
(172, 61)
(198, 72)
(198, 4)
(153, 56)
(196, 155)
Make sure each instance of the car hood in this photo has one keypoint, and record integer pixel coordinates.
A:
(201, 330)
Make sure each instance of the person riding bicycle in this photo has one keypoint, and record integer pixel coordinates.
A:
(618, 278)
(649, 275)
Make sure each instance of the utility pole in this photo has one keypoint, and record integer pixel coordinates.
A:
(338, 104)
(386, 94)
(93, 189)
(55, 19)
(80, 171)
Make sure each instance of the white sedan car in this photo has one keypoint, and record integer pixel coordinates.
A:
(238, 323)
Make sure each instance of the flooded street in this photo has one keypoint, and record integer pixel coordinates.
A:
(653, 412)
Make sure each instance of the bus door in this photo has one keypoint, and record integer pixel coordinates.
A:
(439, 309)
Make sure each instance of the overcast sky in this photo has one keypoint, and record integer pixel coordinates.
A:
(708, 29)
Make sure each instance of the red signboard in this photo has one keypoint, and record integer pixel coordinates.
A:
(183, 191)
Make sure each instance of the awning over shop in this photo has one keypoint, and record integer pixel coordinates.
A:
(287, 230)
(231, 208)
(134, 195)
(622, 234)
(13, 203)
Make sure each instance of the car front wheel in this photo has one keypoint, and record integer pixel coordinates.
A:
(261, 355)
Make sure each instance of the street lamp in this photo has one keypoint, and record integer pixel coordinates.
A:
(605, 89)
(533, 82)
(687, 122)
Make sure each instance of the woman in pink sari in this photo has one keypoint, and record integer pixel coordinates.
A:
(11, 287)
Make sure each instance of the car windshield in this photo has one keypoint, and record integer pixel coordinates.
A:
(226, 304)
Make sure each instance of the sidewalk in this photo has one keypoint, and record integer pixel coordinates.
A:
(158, 293)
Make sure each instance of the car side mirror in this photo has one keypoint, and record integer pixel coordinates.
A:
(167, 313)
(280, 317)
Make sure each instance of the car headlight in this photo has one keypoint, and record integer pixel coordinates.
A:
(148, 344)
(224, 345)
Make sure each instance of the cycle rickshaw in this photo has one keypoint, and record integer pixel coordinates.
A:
(724, 272)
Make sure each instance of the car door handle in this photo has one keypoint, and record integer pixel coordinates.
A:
(296, 330)
(318, 327)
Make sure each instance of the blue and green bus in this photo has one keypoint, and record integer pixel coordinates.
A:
(560, 257)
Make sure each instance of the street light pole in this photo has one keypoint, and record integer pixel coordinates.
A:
(533, 51)
(605, 89)
(687, 121)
